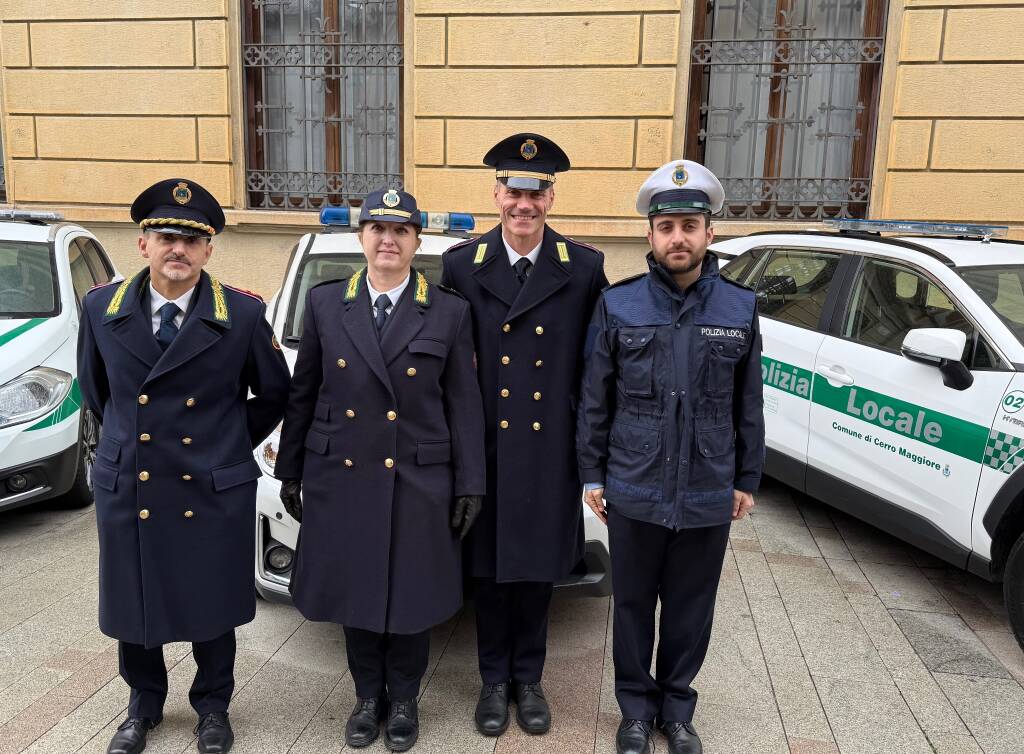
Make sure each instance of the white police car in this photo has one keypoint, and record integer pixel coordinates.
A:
(893, 369)
(332, 254)
(46, 438)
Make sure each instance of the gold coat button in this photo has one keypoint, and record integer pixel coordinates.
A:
(187, 477)
(536, 426)
(189, 514)
(536, 396)
(389, 462)
(348, 462)
(540, 330)
(143, 400)
(506, 327)
(190, 402)
(186, 440)
(503, 424)
(504, 392)
(144, 514)
(342, 363)
(144, 475)
(505, 359)
(411, 371)
(144, 437)
(539, 363)
(350, 414)
(392, 416)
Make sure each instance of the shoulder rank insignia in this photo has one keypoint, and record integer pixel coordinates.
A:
(481, 252)
(563, 252)
(422, 296)
(352, 289)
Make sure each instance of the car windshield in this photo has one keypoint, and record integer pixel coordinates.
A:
(28, 285)
(1002, 288)
(319, 268)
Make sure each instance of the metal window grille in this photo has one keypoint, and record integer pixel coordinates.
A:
(323, 87)
(787, 105)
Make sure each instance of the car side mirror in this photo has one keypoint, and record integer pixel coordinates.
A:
(943, 348)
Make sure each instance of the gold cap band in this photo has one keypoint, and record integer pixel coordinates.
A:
(389, 211)
(158, 221)
(525, 174)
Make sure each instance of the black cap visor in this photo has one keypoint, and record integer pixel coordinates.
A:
(679, 202)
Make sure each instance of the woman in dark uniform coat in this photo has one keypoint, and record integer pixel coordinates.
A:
(384, 432)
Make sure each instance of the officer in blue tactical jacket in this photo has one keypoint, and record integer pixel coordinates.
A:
(166, 361)
(383, 437)
(531, 291)
(670, 437)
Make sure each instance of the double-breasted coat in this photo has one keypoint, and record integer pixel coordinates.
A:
(174, 477)
(529, 347)
(384, 432)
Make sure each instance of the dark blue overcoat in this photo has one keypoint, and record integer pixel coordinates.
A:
(529, 346)
(383, 432)
(175, 479)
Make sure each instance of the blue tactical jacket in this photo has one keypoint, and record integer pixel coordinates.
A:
(670, 416)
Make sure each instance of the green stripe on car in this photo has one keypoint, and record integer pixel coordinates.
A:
(974, 442)
(21, 329)
(68, 407)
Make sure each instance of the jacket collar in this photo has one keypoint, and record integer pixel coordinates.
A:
(664, 280)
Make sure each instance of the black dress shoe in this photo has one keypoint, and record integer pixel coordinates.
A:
(682, 738)
(634, 737)
(492, 709)
(403, 725)
(363, 724)
(532, 711)
(215, 735)
(131, 736)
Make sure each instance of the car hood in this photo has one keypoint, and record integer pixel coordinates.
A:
(27, 343)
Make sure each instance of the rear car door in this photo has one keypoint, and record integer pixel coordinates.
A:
(887, 426)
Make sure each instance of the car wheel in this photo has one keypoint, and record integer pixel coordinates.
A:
(1013, 589)
(80, 494)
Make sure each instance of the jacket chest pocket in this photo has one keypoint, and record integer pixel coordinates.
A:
(722, 357)
(636, 361)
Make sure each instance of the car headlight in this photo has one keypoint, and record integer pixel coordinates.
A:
(266, 453)
(32, 394)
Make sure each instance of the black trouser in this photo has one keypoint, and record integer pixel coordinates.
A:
(683, 569)
(512, 629)
(391, 665)
(144, 671)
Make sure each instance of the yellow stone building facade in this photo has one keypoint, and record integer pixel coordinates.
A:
(102, 99)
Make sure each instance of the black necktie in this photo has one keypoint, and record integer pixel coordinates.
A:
(522, 268)
(167, 329)
(381, 306)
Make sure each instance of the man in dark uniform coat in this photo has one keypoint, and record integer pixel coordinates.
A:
(671, 433)
(531, 290)
(166, 360)
(384, 432)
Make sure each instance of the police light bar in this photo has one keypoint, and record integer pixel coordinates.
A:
(30, 215)
(346, 217)
(984, 232)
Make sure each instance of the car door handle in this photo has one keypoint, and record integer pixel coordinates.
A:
(836, 374)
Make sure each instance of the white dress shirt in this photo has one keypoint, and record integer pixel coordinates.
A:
(514, 256)
(394, 294)
(156, 301)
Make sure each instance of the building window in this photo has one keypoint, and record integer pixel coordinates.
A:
(785, 104)
(323, 88)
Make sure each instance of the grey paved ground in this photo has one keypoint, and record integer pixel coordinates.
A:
(829, 637)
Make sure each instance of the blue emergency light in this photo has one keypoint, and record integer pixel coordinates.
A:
(346, 217)
(968, 230)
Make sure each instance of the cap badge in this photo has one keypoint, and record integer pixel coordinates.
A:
(680, 176)
(391, 198)
(528, 149)
(182, 193)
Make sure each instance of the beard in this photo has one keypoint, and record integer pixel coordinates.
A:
(679, 267)
(176, 273)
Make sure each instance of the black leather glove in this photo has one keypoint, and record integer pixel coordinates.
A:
(291, 496)
(465, 509)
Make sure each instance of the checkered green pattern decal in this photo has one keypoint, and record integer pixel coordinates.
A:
(1003, 451)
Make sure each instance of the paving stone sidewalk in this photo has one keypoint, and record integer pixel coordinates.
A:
(829, 637)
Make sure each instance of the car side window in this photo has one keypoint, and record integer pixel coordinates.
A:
(889, 300)
(101, 269)
(81, 276)
(794, 284)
